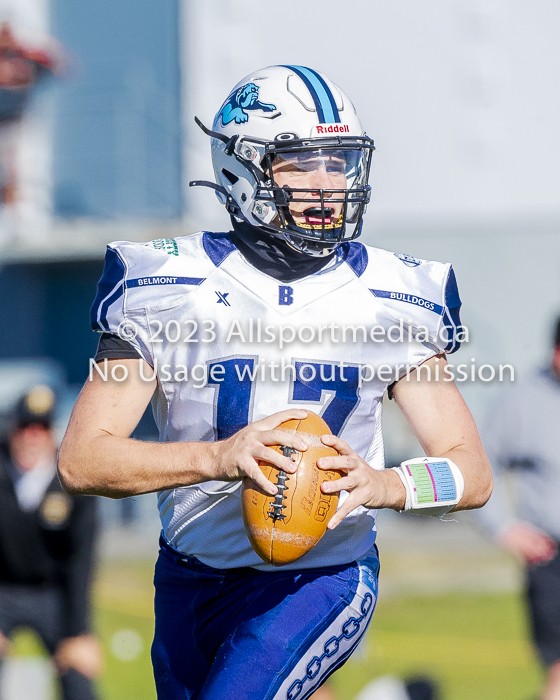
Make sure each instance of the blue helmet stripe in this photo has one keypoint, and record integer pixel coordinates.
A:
(323, 98)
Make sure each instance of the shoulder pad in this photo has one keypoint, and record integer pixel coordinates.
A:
(423, 293)
(133, 271)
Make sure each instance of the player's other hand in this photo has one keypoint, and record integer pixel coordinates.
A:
(82, 653)
(238, 456)
(529, 545)
(368, 487)
(4, 646)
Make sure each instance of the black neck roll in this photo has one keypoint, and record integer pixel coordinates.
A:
(272, 255)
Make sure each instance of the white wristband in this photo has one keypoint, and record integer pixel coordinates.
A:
(434, 485)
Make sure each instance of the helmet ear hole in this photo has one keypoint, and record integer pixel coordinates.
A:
(230, 176)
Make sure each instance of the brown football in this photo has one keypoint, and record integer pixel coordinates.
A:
(284, 527)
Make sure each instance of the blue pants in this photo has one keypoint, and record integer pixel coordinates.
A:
(250, 635)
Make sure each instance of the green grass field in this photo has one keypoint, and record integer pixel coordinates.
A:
(475, 645)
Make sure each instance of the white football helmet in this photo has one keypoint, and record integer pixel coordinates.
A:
(291, 118)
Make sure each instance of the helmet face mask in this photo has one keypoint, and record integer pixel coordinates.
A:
(296, 164)
(318, 190)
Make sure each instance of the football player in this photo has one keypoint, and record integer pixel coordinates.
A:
(230, 334)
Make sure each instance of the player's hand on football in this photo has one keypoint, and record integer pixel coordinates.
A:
(368, 487)
(239, 455)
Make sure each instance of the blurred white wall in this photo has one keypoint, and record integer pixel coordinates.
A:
(461, 98)
(463, 101)
(31, 17)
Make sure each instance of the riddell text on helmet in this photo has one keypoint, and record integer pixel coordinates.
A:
(321, 129)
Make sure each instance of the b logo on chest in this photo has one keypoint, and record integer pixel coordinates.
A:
(285, 295)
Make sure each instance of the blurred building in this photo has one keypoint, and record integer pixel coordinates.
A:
(110, 126)
(97, 158)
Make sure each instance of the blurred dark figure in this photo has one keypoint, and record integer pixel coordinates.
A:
(422, 689)
(46, 549)
(522, 440)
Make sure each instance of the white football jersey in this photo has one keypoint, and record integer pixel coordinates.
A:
(232, 345)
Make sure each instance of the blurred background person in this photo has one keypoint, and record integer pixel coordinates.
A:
(23, 176)
(47, 543)
(522, 440)
(21, 69)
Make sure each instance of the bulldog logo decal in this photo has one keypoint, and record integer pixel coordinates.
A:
(246, 98)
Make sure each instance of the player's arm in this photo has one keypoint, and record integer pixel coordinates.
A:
(444, 427)
(97, 456)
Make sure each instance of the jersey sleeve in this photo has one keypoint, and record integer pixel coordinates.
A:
(436, 306)
(111, 347)
(435, 315)
(419, 297)
(422, 295)
(110, 312)
(107, 311)
(451, 319)
(137, 278)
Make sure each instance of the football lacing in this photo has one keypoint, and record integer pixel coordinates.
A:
(276, 507)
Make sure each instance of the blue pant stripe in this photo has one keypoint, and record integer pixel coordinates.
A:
(335, 644)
